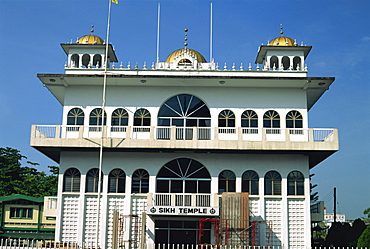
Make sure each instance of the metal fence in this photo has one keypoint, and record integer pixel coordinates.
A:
(47, 244)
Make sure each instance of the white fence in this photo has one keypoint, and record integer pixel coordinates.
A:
(47, 244)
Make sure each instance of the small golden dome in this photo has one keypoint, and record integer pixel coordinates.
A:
(90, 39)
(282, 41)
(181, 52)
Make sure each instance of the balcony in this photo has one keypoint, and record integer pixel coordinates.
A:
(44, 137)
(182, 204)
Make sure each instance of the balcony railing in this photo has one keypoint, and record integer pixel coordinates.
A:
(184, 200)
(185, 133)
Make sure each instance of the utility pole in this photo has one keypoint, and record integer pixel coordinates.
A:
(335, 205)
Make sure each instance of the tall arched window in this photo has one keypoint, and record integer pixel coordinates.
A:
(297, 63)
(274, 62)
(75, 117)
(120, 117)
(71, 180)
(294, 120)
(142, 117)
(295, 183)
(271, 119)
(86, 60)
(272, 183)
(75, 61)
(183, 175)
(97, 61)
(250, 180)
(92, 181)
(226, 118)
(140, 181)
(117, 181)
(226, 181)
(286, 62)
(96, 117)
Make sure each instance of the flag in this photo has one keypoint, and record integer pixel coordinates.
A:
(114, 1)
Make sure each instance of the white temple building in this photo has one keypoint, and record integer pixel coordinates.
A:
(192, 152)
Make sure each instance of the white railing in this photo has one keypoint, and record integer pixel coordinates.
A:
(186, 133)
(49, 244)
(184, 200)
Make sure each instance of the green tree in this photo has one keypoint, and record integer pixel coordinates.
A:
(364, 239)
(367, 213)
(18, 179)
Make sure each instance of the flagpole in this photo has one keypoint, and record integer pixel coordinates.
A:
(158, 26)
(105, 66)
(211, 34)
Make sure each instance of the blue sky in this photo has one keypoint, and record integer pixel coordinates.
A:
(338, 30)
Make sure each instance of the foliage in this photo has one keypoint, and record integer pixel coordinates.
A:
(364, 239)
(313, 196)
(367, 213)
(16, 178)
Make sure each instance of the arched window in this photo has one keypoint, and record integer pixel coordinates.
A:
(97, 61)
(75, 117)
(297, 63)
(184, 110)
(71, 180)
(96, 117)
(183, 175)
(226, 118)
(75, 61)
(140, 181)
(226, 181)
(272, 183)
(249, 119)
(120, 117)
(86, 60)
(286, 62)
(92, 181)
(142, 117)
(185, 62)
(295, 183)
(117, 181)
(271, 119)
(250, 180)
(294, 120)
(274, 62)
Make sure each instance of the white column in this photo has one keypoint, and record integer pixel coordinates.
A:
(284, 213)
(307, 217)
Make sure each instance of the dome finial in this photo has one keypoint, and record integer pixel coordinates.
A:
(186, 37)
(281, 30)
(92, 28)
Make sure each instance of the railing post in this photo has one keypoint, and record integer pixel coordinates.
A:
(193, 200)
(128, 132)
(57, 131)
(287, 135)
(263, 134)
(81, 131)
(151, 133)
(215, 129)
(33, 131)
(240, 133)
(310, 135)
(173, 133)
(173, 199)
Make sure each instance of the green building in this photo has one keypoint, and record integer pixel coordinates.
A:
(26, 217)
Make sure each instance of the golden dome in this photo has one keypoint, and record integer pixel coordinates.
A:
(90, 39)
(181, 52)
(282, 41)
